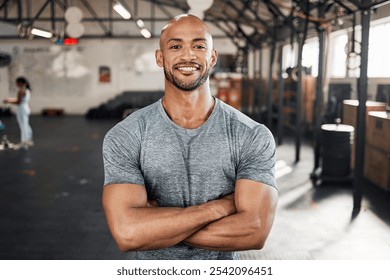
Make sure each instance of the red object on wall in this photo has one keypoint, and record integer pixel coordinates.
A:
(70, 41)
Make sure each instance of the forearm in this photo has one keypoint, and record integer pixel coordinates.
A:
(146, 228)
(248, 228)
(12, 101)
(232, 233)
(163, 227)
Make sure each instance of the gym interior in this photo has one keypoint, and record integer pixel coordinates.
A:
(305, 69)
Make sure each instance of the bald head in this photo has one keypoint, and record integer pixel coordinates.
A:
(186, 53)
(184, 22)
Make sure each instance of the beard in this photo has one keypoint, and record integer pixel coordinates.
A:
(190, 86)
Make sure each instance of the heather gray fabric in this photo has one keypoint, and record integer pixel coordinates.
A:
(182, 167)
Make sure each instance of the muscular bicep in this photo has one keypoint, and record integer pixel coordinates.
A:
(124, 195)
(249, 227)
(258, 202)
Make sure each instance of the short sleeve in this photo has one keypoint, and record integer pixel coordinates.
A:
(121, 150)
(257, 157)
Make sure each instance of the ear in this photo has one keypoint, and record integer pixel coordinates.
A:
(159, 58)
(214, 57)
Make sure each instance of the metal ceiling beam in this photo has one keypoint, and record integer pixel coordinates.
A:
(242, 13)
(96, 17)
(229, 32)
(379, 4)
(94, 36)
(349, 10)
(164, 10)
(275, 9)
(172, 4)
(243, 35)
(43, 7)
(5, 2)
(286, 20)
(104, 19)
(257, 18)
(301, 4)
(62, 5)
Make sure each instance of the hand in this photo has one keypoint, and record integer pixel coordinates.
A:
(224, 205)
(229, 203)
(5, 101)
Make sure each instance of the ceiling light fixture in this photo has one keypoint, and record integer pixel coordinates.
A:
(146, 33)
(41, 33)
(140, 23)
(198, 7)
(118, 7)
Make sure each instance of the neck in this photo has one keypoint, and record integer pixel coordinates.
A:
(188, 109)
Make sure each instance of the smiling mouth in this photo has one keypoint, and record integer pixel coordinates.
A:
(187, 69)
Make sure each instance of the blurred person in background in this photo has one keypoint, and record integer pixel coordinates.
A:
(23, 111)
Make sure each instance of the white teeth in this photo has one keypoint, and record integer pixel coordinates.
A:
(187, 69)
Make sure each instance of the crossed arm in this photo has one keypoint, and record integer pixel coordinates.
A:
(240, 221)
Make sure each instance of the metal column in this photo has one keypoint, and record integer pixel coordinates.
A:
(319, 89)
(298, 128)
(270, 87)
(258, 103)
(245, 81)
(361, 114)
(253, 85)
(20, 12)
(280, 95)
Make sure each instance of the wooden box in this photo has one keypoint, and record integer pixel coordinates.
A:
(378, 130)
(377, 167)
(350, 108)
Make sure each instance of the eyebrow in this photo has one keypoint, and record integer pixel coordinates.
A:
(181, 40)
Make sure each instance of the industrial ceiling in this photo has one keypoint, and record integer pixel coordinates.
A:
(248, 23)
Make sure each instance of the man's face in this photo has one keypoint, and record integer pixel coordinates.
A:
(186, 53)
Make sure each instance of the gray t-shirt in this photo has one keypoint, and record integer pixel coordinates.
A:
(183, 167)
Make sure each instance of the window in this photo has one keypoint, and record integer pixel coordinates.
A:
(309, 56)
(341, 65)
(290, 56)
(338, 57)
(378, 51)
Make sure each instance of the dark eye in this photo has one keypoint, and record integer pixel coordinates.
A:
(200, 47)
(175, 47)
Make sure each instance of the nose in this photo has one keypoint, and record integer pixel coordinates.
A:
(188, 54)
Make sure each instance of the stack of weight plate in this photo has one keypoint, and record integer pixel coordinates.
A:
(337, 141)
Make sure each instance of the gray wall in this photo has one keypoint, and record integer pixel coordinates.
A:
(68, 77)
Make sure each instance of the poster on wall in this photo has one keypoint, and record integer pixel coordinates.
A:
(104, 74)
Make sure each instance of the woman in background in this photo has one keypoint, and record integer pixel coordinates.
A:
(23, 111)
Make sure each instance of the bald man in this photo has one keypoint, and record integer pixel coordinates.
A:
(188, 177)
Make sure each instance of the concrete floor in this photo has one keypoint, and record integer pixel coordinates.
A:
(50, 202)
